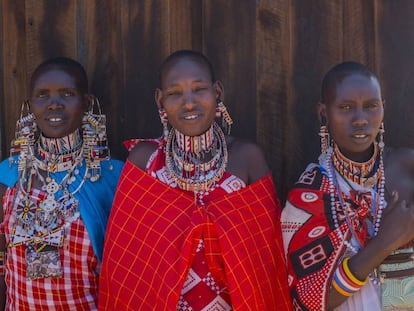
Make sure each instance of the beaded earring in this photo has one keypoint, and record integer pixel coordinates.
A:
(24, 136)
(94, 139)
(226, 120)
(164, 122)
(381, 132)
(324, 137)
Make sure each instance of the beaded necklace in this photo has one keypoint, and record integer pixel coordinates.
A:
(334, 188)
(41, 218)
(363, 174)
(185, 158)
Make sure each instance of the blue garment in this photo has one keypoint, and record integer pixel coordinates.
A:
(95, 198)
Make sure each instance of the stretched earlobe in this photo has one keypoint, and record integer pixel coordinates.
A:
(158, 98)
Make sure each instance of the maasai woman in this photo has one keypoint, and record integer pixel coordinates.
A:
(56, 188)
(195, 222)
(335, 226)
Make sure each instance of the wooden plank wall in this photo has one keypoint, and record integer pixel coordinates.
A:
(270, 54)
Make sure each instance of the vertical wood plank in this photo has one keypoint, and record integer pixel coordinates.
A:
(229, 42)
(50, 30)
(359, 32)
(273, 75)
(98, 37)
(317, 45)
(184, 26)
(14, 65)
(395, 24)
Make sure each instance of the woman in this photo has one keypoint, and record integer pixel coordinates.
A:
(335, 226)
(56, 189)
(195, 217)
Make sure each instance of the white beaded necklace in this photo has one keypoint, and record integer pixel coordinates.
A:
(334, 185)
(185, 165)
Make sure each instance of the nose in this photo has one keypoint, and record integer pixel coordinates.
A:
(188, 101)
(360, 118)
(54, 103)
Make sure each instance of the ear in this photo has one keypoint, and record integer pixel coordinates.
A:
(322, 115)
(158, 98)
(88, 101)
(219, 89)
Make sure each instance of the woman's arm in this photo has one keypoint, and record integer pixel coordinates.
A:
(397, 229)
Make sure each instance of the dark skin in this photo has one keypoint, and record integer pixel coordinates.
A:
(189, 97)
(58, 103)
(357, 111)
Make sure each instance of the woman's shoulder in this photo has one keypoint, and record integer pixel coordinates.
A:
(246, 160)
(140, 153)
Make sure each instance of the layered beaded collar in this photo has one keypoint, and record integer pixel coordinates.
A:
(196, 163)
(364, 174)
(59, 154)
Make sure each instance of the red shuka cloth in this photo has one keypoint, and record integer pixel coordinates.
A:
(151, 234)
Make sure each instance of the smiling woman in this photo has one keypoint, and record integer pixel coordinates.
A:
(57, 103)
(195, 222)
(56, 188)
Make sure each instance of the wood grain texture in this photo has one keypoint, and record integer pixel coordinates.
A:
(14, 65)
(229, 42)
(317, 45)
(270, 54)
(395, 50)
(274, 90)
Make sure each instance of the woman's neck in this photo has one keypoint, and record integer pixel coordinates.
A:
(199, 144)
(61, 145)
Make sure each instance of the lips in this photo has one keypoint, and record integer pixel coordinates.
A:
(191, 117)
(55, 119)
(360, 136)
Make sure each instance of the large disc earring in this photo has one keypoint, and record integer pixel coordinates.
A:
(226, 120)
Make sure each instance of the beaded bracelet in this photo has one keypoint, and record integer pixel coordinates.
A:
(344, 281)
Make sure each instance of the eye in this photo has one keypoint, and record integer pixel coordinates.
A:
(172, 93)
(41, 94)
(372, 105)
(345, 107)
(68, 93)
(200, 88)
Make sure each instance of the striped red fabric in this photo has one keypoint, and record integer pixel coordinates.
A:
(151, 234)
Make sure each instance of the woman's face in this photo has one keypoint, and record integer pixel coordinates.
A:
(355, 116)
(57, 103)
(188, 96)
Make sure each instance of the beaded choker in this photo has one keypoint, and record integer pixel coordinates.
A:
(360, 173)
(62, 145)
(59, 154)
(195, 144)
(186, 158)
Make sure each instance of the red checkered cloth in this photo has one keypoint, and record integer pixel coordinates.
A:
(75, 290)
(152, 233)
